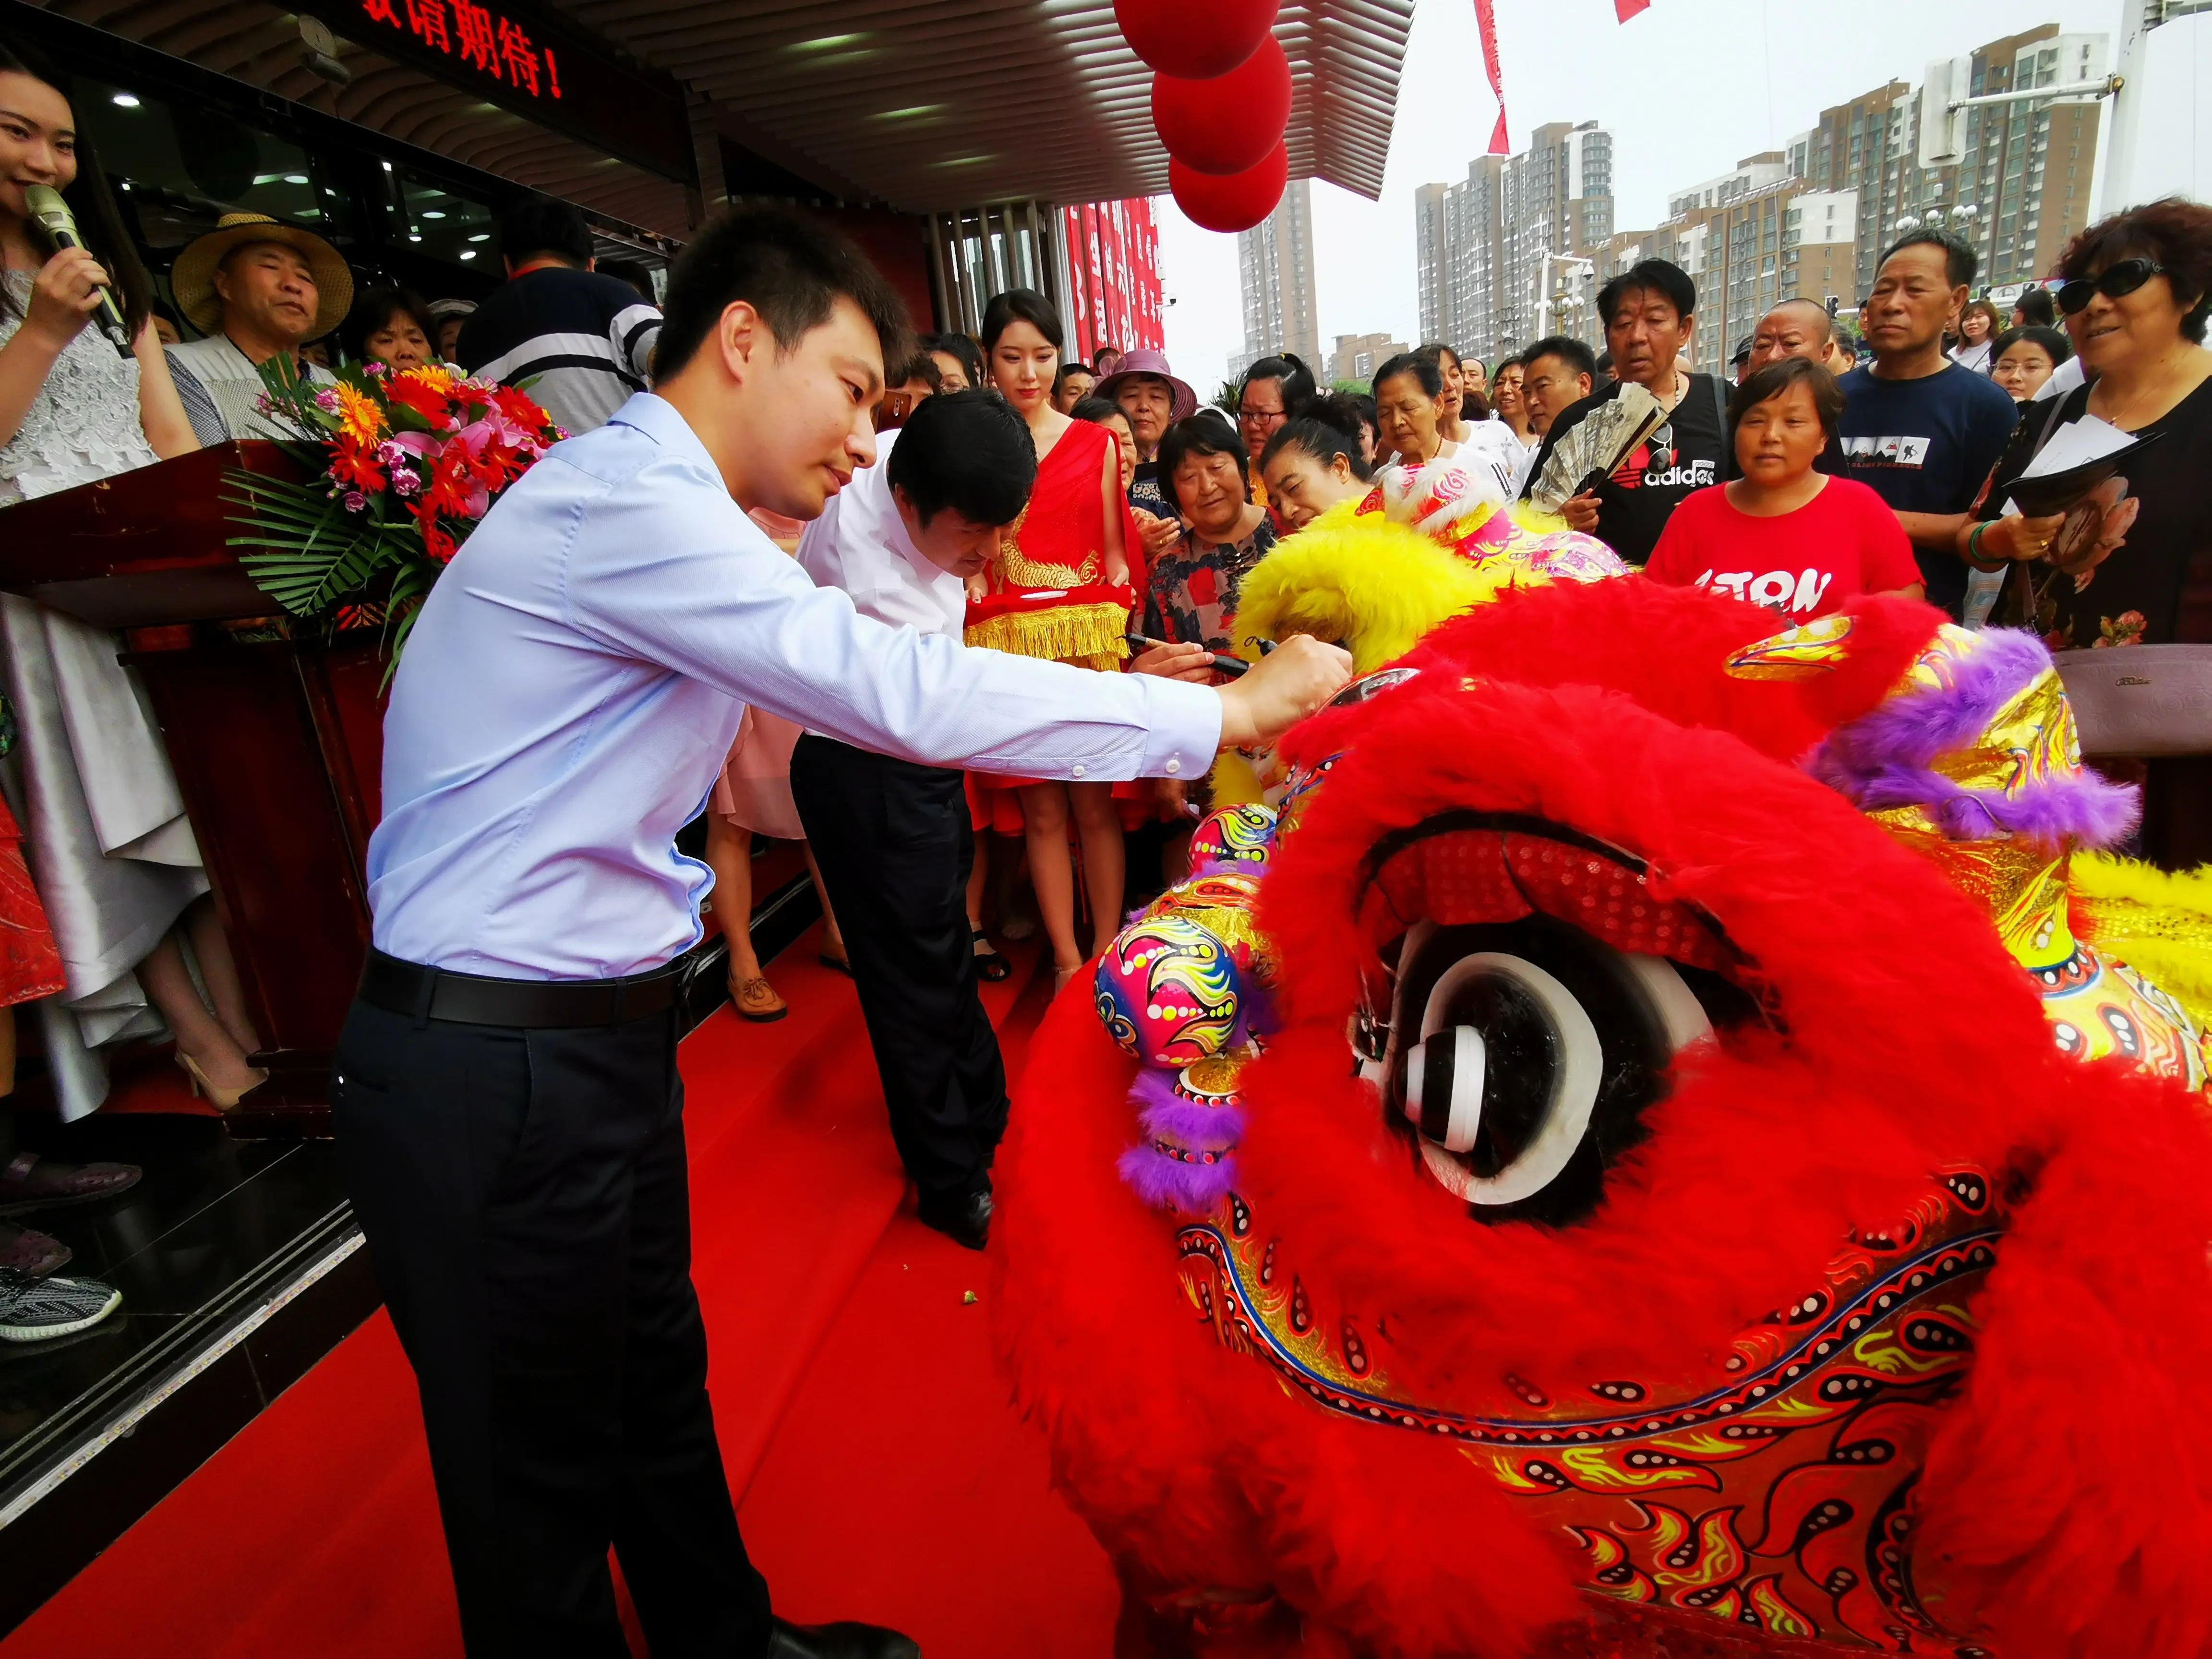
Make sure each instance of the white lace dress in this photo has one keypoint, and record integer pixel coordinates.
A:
(104, 824)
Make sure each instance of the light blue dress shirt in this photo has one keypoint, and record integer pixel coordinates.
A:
(575, 679)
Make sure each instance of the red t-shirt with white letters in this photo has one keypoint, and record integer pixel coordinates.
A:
(1844, 541)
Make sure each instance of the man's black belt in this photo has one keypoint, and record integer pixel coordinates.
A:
(407, 988)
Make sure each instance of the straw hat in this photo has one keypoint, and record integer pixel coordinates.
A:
(192, 278)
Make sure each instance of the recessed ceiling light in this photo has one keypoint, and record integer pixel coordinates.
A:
(414, 238)
(468, 253)
(432, 213)
(909, 113)
(126, 100)
(826, 42)
(481, 236)
(295, 178)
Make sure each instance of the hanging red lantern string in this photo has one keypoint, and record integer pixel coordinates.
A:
(1238, 202)
(1193, 41)
(1229, 123)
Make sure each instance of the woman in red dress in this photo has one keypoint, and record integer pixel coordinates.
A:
(1060, 588)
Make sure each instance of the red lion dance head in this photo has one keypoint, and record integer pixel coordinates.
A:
(1651, 1215)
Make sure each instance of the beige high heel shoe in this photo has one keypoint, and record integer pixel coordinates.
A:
(222, 1100)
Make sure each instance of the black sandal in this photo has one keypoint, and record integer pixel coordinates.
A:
(989, 965)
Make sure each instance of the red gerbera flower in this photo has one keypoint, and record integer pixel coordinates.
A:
(355, 464)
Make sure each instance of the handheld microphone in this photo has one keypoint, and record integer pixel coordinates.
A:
(55, 218)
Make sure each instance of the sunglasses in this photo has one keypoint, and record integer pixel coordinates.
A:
(2125, 278)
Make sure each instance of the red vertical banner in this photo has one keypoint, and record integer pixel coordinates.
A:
(1109, 249)
(1486, 22)
(1078, 285)
(1094, 258)
(1113, 275)
(1145, 276)
(1624, 9)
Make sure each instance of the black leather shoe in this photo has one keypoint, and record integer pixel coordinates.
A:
(839, 1641)
(965, 1220)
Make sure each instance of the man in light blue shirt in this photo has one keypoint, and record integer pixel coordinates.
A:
(506, 1100)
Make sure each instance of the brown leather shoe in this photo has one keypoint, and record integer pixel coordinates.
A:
(28, 1182)
(756, 1000)
(31, 1254)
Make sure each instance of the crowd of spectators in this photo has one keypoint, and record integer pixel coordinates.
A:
(1844, 453)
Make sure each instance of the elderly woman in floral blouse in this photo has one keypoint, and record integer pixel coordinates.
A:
(1192, 595)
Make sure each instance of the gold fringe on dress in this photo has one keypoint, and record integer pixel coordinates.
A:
(1091, 635)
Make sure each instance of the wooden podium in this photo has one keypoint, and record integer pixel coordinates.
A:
(277, 743)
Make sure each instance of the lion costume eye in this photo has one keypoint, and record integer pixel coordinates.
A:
(1534, 1050)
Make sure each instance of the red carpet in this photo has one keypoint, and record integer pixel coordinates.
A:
(845, 1362)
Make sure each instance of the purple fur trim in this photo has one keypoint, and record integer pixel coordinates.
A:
(1914, 728)
(1884, 758)
(1201, 1128)
(1166, 1116)
(2087, 810)
(1227, 865)
(1165, 1184)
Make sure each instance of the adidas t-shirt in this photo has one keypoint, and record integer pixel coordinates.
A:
(1634, 504)
(1925, 445)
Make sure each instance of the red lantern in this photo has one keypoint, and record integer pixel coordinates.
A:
(1237, 203)
(1230, 123)
(1194, 39)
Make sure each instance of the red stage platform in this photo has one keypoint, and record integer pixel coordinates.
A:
(846, 1360)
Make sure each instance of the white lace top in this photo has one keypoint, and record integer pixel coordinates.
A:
(83, 425)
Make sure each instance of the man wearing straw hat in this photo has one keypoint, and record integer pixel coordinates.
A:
(256, 290)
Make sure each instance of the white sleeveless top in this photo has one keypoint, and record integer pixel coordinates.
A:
(84, 424)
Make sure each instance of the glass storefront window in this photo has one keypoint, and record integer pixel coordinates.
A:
(183, 174)
(432, 220)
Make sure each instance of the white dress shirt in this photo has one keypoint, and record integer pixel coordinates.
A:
(860, 545)
(575, 679)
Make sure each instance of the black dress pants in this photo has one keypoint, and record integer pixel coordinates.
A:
(893, 843)
(525, 1200)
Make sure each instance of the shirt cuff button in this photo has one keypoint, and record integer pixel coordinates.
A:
(1078, 771)
(1174, 766)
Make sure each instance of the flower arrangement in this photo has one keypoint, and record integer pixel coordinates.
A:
(403, 465)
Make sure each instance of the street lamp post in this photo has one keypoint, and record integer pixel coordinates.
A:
(1544, 301)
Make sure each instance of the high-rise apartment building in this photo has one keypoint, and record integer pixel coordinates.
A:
(1480, 245)
(1751, 237)
(2022, 186)
(1357, 356)
(1432, 257)
(1275, 259)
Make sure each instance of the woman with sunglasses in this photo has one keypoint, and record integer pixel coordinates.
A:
(2140, 571)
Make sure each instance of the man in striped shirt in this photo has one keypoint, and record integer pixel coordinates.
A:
(583, 340)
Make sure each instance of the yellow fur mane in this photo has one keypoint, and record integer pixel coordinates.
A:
(1374, 587)
(2156, 921)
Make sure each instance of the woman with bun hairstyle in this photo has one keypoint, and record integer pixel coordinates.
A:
(1313, 463)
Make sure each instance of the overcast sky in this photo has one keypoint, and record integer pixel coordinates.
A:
(1688, 88)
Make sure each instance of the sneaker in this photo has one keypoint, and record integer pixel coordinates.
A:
(35, 1310)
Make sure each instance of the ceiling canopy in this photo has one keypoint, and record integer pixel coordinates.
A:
(921, 105)
(933, 104)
